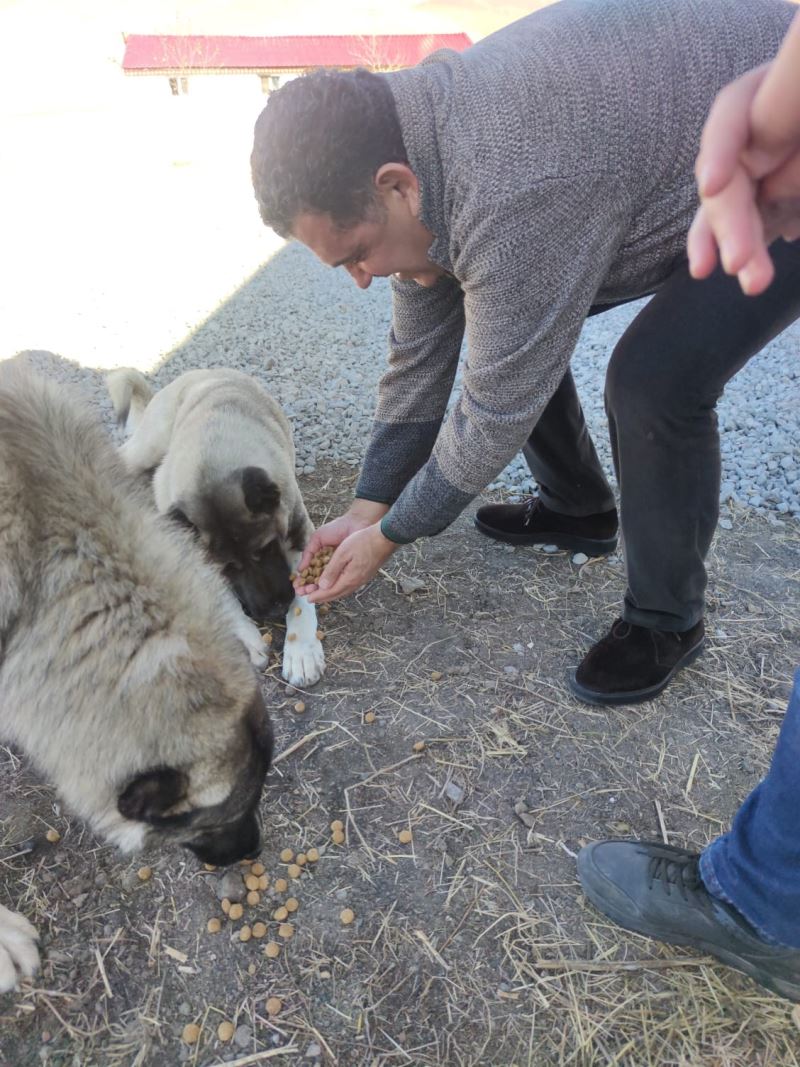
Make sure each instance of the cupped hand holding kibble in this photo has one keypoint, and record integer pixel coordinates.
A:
(361, 515)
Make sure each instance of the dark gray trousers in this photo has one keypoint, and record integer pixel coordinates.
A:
(665, 376)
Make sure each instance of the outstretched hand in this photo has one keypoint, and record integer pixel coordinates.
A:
(357, 559)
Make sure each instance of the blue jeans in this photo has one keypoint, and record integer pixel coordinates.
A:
(756, 866)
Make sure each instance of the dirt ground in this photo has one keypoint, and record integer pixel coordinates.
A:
(472, 944)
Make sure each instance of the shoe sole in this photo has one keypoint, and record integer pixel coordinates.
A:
(566, 542)
(788, 990)
(634, 696)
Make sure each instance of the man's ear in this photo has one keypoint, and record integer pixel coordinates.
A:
(261, 494)
(400, 180)
(152, 794)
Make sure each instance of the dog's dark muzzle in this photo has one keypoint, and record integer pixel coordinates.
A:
(237, 841)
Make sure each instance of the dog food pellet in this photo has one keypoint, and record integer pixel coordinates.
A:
(267, 638)
(419, 746)
(257, 869)
(236, 911)
(346, 916)
(337, 824)
(291, 637)
(323, 609)
(274, 1006)
(287, 855)
(144, 874)
(251, 968)
(320, 635)
(337, 837)
(191, 1032)
(298, 611)
(301, 859)
(281, 885)
(404, 837)
(292, 904)
(213, 926)
(299, 707)
(259, 930)
(293, 870)
(225, 1031)
(436, 676)
(263, 882)
(253, 898)
(225, 904)
(53, 836)
(272, 949)
(369, 716)
(251, 881)
(316, 565)
(245, 933)
(312, 855)
(285, 930)
(209, 867)
(280, 914)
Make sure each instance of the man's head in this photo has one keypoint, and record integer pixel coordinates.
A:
(330, 168)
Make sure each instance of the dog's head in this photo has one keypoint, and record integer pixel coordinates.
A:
(209, 804)
(244, 524)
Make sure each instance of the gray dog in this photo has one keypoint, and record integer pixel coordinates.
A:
(222, 457)
(121, 673)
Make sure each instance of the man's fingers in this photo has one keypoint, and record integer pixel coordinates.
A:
(734, 218)
(701, 246)
(333, 568)
(757, 275)
(311, 549)
(726, 133)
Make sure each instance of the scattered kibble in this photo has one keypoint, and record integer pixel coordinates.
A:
(294, 871)
(320, 635)
(404, 837)
(337, 824)
(281, 885)
(274, 1005)
(323, 609)
(316, 565)
(280, 914)
(225, 1030)
(267, 638)
(312, 855)
(253, 898)
(369, 716)
(225, 904)
(287, 855)
(285, 930)
(263, 882)
(337, 837)
(191, 1032)
(209, 866)
(213, 926)
(299, 707)
(259, 930)
(291, 637)
(301, 859)
(436, 676)
(144, 874)
(245, 933)
(272, 949)
(251, 881)
(292, 904)
(419, 746)
(257, 869)
(236, 911)
(298, 611)
(346, 916)
(53, 836)
(251, 968)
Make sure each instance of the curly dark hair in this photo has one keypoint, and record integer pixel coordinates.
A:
(318, 145)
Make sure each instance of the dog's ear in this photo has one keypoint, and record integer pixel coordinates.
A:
(261, 494)
(151, 795)
(177, 515)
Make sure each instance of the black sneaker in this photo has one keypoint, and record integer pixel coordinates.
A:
(632, 663)
(657, 890)
(531, 523)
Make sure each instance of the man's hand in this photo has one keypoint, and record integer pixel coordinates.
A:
(357, 559)
(360, 515)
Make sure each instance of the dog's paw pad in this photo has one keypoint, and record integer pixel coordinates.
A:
(303, 662)
(19, 956)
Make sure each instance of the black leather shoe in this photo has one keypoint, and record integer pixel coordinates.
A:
(657, 890)
(632, 663)
(531, 523)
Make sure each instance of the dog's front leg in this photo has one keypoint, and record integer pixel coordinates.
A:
(249, 634)
(303, 657)
(19, 956)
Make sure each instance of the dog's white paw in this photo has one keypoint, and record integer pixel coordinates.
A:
(303, 661)
(249, 635)
(19, 956)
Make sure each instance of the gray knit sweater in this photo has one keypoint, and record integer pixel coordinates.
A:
(556, 166)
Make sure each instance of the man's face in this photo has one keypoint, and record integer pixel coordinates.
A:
(392, 241)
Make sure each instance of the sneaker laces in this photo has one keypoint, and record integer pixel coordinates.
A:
(531, 507)
(683, 874)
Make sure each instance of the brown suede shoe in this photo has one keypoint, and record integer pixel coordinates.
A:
(632, 663)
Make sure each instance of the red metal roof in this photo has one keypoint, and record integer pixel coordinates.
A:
(158, 55)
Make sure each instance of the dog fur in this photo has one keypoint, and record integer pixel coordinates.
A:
(121, 673)
(221, 454)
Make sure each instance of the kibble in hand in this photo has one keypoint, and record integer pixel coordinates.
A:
(316, 565)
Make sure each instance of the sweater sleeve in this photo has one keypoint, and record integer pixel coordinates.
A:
(424, 345)
(531, 270)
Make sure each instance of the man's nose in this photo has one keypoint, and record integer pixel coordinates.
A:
(361, 277)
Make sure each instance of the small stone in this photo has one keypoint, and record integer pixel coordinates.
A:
(230, 886)
(726, 524)
(184, 1008)
(243, 1037)
(411, 585)
(454, 792)
(314, 1051)
(580, 558)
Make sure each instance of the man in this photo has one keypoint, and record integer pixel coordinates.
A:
(739, 900)
(541, 176)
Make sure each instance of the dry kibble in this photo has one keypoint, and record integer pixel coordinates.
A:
(346, 916)
(323, 609)
(251, 881)
(191, 1032)
(299, 707)
(285, 930)
(225, 1031)
(298, 611)
(436, 676)
(337, 824)
(404, 837)
(144, 874)
(369, 716)
(291, 637)
(294, 871)
(280, 914)
(209, 866)
(245, 933)
(272, 949)
(257, 869)
(312, 855)
(213, 926)
(225, 904)
(263, 882)
(274, 1006)
(281, 885)
(301, 859)
(419, 746)
(259, 930)
(253, 898)
(53, 836)
(251, 968)
(292, 904)
(320, 634)
(267, 638)
(337, 837)
(287, 855)
(236, 911)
